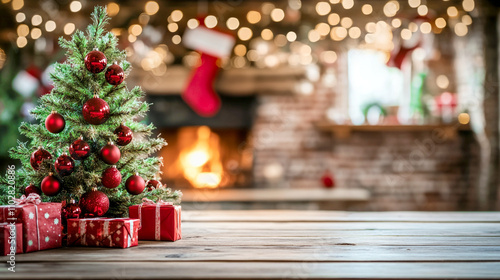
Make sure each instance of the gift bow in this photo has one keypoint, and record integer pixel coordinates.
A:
(32, 198)
(148, 202)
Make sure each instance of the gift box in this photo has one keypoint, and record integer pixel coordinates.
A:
(41, 222)
(11, 239)
(159, 221)
(103, 232)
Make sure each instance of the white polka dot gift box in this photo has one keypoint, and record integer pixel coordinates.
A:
(11, 239)
(103, 232)
(41, 222)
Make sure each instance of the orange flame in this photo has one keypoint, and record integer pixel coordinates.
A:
(200, 161)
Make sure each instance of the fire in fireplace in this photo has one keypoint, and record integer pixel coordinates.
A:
(200, 157)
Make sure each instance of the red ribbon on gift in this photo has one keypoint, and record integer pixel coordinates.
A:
(148, 202)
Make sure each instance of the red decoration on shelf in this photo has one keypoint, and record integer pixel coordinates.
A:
(153, 184)
(124, 134)
(51, 186)
(95, 203)
(64, 165)
(71, 210)
(327, 180)
(55, 122)
(38, 156)
(79, 149)
(135, 184)
(111, 177)
(95, 110)
(32, 189)
(110, 153)
(114, 74)
(95, 61)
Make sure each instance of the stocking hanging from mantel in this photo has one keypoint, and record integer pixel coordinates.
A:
(212, 45)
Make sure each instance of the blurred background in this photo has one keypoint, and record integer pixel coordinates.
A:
(340, 104)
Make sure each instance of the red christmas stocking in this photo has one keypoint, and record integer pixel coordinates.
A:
(212, 45)
(199, 93)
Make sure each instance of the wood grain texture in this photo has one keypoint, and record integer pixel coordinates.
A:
(292, 244)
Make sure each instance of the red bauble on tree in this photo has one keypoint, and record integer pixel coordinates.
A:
(114, 74)
(110, 153)
(95, 203)
(32, 189)
(95, 61)
(38, 156)
(327, 180)
(79, 149)
(153, 184)
(135, 184)
(95, 110)
(64, 165)
(51, 185)
(71, 210)
(124, 135)
(55, 122)
(111, 177)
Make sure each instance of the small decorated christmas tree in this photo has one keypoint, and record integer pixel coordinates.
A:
(90, 146)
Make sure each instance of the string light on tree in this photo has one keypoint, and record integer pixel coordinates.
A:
(391, 8)
(253, 17)
(348, 4)
(245, 33)
(354, 32)
(323, 8)
(69, 28)
(291, 36)
(192, 23)
(232, 23)
(50, 26)
(396, 23)
(333, 19)
(277, 15)
(176, 15)
(151, 8)
(20, 17)
(112, 9)
(422, 10)
(210, 21)
(468, 5)
(367, 9)
(440, 22)
(414, 3)
(75, 6)
(452, 11)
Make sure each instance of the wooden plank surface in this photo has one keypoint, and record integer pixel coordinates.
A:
(292, 244)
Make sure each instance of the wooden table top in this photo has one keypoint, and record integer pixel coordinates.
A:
(292, 244)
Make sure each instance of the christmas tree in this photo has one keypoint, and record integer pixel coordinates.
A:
(89, 136)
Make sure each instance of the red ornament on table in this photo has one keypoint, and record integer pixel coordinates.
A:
(95, 111)
(95, 203)
(153, 184)
(38, 156)
(327, 180)
(51, 186)
(32, 189)
(55, 122)
(111, 177)
(124, 134)
(64, 165)
(95, 61)
(110, 153)
(114, 74)
(79, 149)
(135, 184)
(71, 210)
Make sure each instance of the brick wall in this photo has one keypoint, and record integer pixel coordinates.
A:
(403, 170)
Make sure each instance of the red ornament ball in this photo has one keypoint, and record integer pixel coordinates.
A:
(32, 189)
(135, 184)
(38, 156)
(110, 153)
(124, 134)
(111, 177)
(95, 61)
(71, 210)
(153, 184)
(327, 180)
(51, 185)
(95, 111)
(64, 165)
(79, 149)
(114, 74)
(55, 122)
(95, 203)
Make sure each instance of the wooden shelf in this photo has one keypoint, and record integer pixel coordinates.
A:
(446, 131)
(275, 195)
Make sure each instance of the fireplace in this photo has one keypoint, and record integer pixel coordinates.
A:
(205, 153)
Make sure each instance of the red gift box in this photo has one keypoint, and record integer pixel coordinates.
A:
(41, 222)
(159, 221)
(103, 232)
(11, 239)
